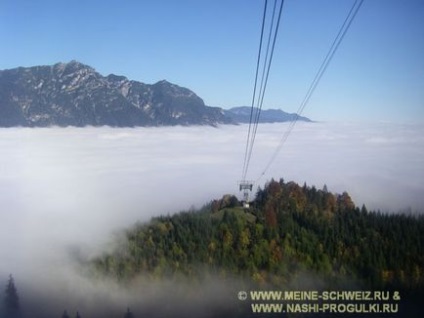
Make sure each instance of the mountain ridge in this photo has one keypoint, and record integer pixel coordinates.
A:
(241, 114)
(75, 94)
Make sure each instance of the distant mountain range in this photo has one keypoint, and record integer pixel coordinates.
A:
(74, 94)
(242, 115)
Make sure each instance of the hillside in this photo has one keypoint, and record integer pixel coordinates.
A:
(74, 94)
(288, 230)
(291, 238)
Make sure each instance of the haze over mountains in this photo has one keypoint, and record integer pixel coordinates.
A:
(242, 115)
(74, 94)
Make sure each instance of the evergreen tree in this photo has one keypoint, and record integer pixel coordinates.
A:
(65, 314)
(128, 314)
(325, 189)
(78, 315)
(11, 298)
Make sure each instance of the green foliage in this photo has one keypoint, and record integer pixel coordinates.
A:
(288, 229)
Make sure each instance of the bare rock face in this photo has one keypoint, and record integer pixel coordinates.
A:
(74, 94)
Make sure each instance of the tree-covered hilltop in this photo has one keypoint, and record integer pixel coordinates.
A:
(288, 230)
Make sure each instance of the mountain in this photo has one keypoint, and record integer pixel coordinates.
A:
(74, 94)
(299, 237)
(242, 115)
(288, 229)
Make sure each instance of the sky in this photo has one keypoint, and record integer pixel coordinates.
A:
(66, 194)
(211, 46)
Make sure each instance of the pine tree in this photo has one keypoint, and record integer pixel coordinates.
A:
(11, 298)
(325, 189)
(65, 314)
(128, 314)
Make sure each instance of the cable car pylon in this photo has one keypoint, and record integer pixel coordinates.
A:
(247, 187)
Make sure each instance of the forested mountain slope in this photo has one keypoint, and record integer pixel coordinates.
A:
(289, 229)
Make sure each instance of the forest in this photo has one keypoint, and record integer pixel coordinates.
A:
(288, 230)
(291, 237)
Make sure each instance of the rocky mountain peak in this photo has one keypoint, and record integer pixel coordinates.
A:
(74, 94)
(116, 78)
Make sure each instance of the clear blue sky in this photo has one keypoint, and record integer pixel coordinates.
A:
(210, 46)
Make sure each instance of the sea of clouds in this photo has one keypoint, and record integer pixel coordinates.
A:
(70, 191)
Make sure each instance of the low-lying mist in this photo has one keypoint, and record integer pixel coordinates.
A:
(66, 193)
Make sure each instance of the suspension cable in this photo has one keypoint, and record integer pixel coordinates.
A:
(324, 65)
(273, 32)
(254, 89)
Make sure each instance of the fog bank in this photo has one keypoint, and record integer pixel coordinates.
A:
(69, 191)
